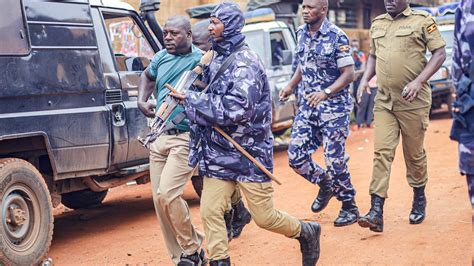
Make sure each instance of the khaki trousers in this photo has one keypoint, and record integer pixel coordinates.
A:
(412, 125)
(215, 200)
(169, 173)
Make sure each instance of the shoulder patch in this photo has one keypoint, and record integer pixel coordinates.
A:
(344, 48)
(431, 28)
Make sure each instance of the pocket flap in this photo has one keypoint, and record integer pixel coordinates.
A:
(404, 32)
(377, 34)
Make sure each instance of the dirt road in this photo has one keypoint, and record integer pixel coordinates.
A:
(124, 229)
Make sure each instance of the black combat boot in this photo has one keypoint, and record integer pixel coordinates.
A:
(324, 195)
(224, 262)
(349, 214)
(309, 242)
(374, 219)
(196, 259)
(417, 214)
(228, 217)
(241, 218)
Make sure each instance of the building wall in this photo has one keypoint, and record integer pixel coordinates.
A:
(170, 8)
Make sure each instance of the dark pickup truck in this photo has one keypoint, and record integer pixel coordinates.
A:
(69, 73)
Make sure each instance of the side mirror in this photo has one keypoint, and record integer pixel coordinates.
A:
(149, 5)
(136, 63)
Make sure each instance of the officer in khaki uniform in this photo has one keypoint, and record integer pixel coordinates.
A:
(400, 39)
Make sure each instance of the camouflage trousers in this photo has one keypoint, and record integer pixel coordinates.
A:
(308, 133)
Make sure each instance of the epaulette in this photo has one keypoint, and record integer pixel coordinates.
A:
(420, 13)
(379, 17)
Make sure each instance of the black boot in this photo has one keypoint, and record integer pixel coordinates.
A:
(198, 258)
(224, 262)
(241, 218)
(374, 219)
(309, 242)
(349, 214)
(324, 195)
(417, 214)
(228, 217)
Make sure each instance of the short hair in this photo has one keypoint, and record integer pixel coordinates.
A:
(179, 21)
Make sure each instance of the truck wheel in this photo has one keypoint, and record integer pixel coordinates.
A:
(26, 213)
(198, 184)
(83, 198)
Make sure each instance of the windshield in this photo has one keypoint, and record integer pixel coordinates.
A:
(255, 40)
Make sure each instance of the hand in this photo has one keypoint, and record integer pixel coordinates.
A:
(148, 109)
(363, 86)
(285, 93)
(315, 98)
(410, 92)
(179, 96)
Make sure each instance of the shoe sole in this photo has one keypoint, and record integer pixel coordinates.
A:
(346, 224)
(415, 222)
(366, 224)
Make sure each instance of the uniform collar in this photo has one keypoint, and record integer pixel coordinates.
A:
(407, 12)
(324, 29)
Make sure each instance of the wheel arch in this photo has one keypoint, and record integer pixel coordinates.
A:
(33, 147)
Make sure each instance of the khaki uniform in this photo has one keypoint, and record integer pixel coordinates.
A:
(169, 173)
(260, 203)
(399, 45)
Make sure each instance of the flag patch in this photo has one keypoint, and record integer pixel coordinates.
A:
(431, 28)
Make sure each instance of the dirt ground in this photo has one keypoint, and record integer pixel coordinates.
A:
(124, 229)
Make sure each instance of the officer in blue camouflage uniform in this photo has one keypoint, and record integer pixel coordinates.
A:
(238, 101)
(326, 67)
(463, 76)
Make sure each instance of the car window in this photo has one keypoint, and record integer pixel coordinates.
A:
(278, 45)
(256, 41)
(12, 24)
(127, 40)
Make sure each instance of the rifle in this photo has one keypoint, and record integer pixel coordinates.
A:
(162, 121)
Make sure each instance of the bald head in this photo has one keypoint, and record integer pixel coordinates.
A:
(315, 11)
(180, 22)
(177, 35)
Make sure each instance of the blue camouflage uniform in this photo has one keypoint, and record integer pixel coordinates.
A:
(463, 77)
(238, 102)
(320, 57)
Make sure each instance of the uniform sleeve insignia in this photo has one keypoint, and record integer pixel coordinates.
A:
(431, 28)
(344, 48)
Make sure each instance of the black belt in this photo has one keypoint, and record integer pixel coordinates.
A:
(174, 131)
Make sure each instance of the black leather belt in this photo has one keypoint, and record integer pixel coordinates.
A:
(174, 131)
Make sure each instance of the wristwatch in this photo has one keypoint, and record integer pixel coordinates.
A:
(327, 91)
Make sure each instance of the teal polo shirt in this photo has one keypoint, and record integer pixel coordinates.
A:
(167, 68)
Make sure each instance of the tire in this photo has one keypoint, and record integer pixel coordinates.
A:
(83, 198)
(26, 214)
(198, 184)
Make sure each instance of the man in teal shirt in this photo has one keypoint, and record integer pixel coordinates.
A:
(169, 170)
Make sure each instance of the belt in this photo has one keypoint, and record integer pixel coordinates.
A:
(174, 131)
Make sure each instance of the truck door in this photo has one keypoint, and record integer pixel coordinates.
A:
(126, 53)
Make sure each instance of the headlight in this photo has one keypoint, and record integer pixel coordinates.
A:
(442, 73)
